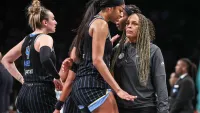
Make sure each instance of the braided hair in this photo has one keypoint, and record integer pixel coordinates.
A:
(143, 49)
(191, 67)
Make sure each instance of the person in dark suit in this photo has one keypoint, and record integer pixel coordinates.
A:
(6, 83)
(183, 92)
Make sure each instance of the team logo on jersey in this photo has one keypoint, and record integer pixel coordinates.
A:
(27, 52)
(27, 63)
(28, 72)
(121, 55)
(162, 64)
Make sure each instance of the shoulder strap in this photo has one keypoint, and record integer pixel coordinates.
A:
(37, 37)
(96, 17)
(100, 17)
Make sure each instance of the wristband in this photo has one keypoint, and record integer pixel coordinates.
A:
(59, 105)
(74, 67)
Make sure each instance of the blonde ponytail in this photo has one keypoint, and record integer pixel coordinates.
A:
(36, 14)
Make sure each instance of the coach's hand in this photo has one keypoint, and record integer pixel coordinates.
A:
(124, 95)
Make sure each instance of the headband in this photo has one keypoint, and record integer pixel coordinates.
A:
(113, 3)
(128, 11)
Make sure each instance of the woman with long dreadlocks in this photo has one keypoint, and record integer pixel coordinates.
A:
(91, 88)
(140, 69)
(121, 24)
(69, 106)
(183, 91)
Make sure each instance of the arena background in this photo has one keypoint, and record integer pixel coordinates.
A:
(177, 27)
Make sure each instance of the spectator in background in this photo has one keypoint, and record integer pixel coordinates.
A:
(183, 91)
(6, 83)
(198, 89)
(172, 80)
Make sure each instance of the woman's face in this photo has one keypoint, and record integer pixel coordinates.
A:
(132, 26)
(121, 24)
(180, 67)
(50, 23)
(117, 13)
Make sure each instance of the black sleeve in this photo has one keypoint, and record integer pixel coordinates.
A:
(74, 67)
(45, 59)
(184, 94)
(159, 81)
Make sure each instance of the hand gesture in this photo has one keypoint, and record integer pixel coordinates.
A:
(66, 64)
(114, 38)
(124, 95)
